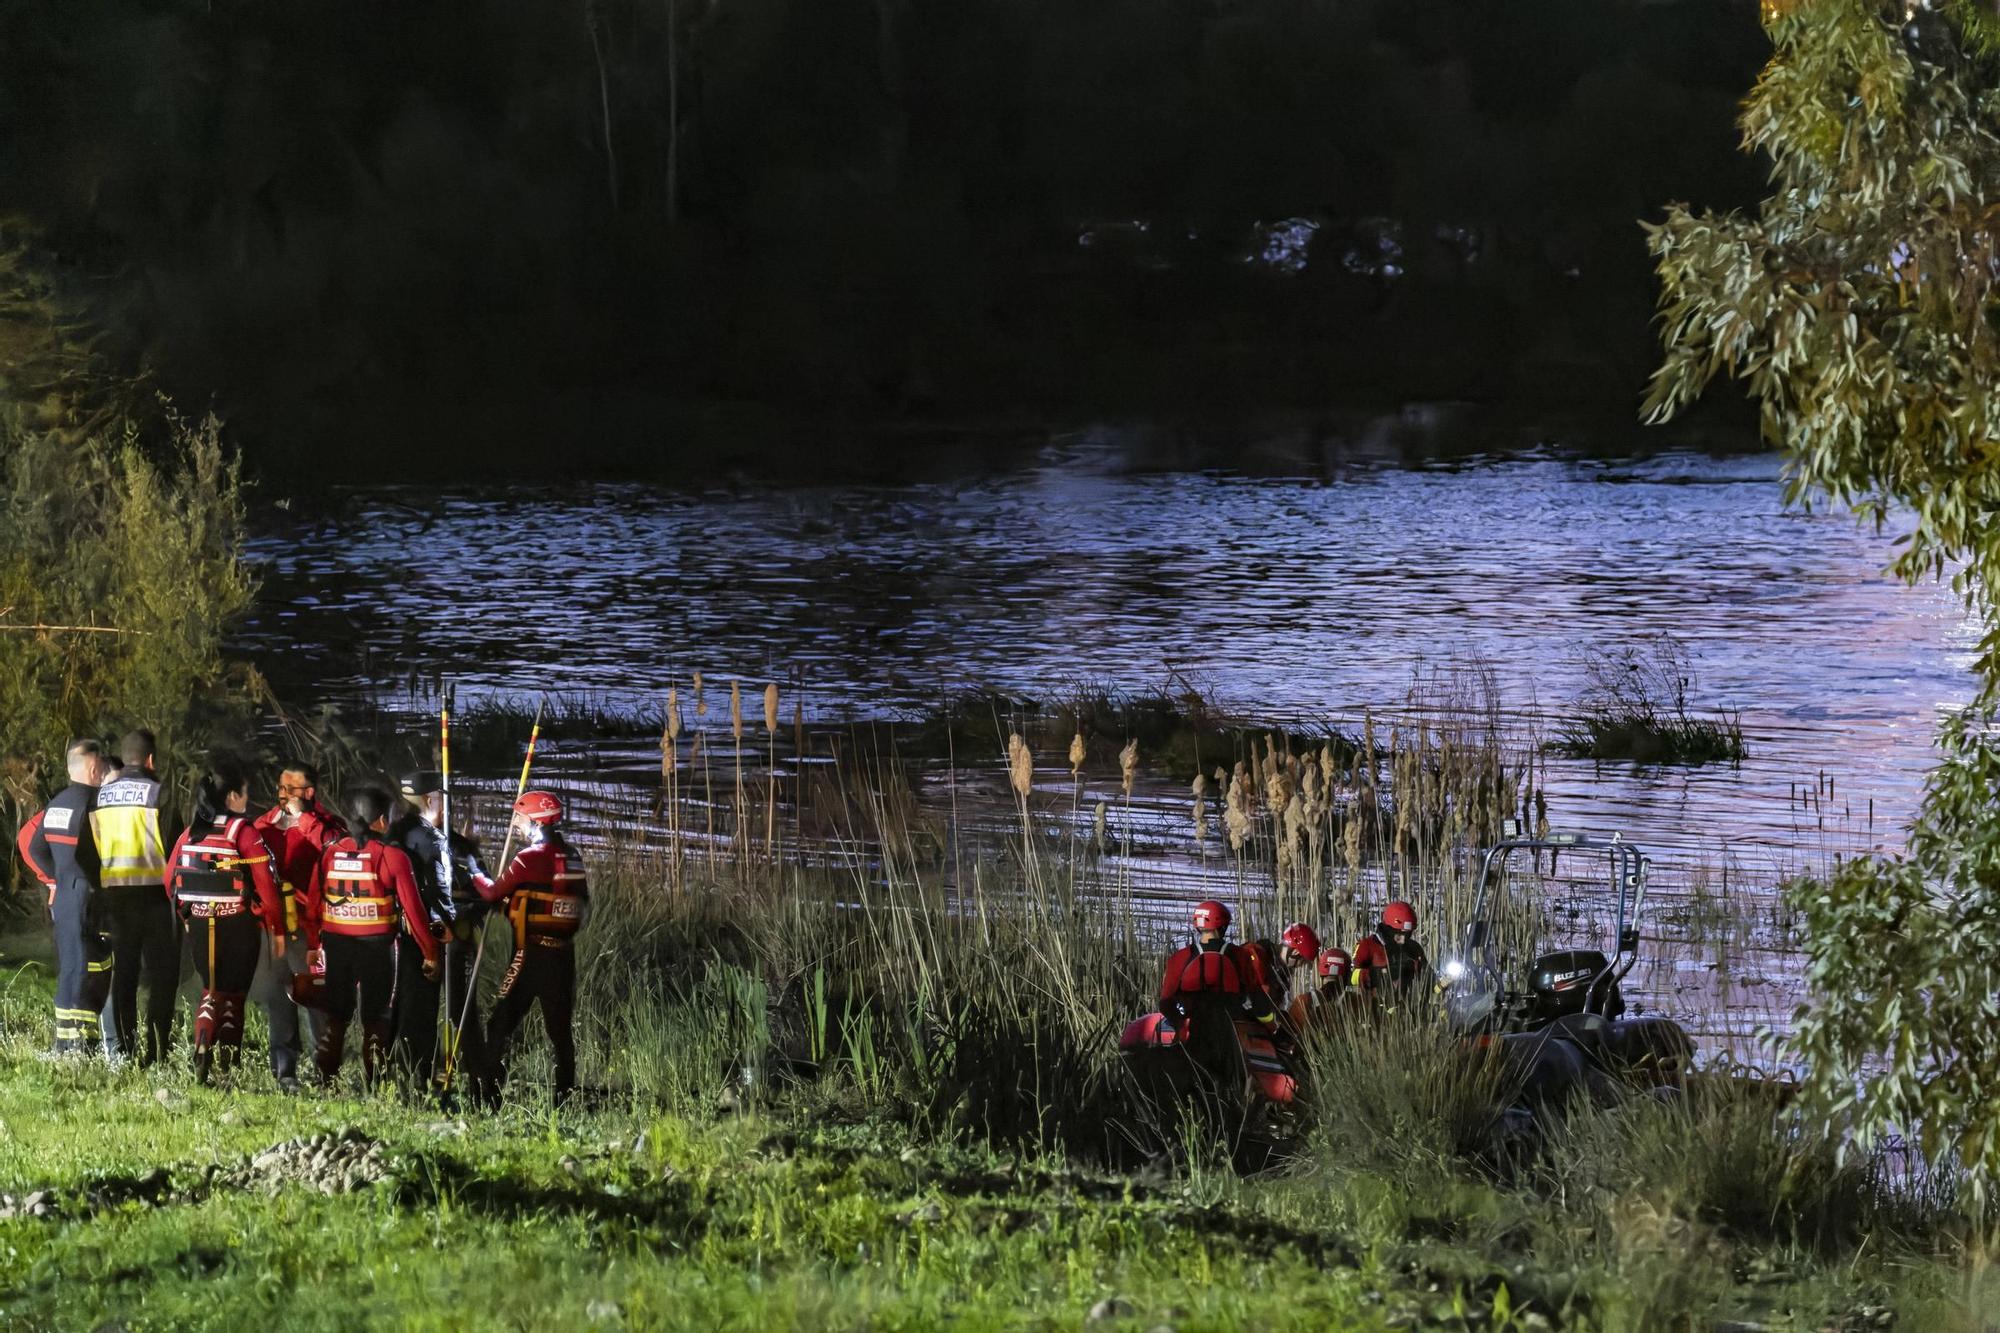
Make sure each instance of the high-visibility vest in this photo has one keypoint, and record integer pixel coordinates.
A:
(353, 899)
(126, 824)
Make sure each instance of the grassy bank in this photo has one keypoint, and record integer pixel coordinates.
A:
(162, 1204)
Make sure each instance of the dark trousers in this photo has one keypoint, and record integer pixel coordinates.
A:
(83, 967)
(225, 958)
(545, 973)
(360, 981)
(145, 949)
(420, 1006)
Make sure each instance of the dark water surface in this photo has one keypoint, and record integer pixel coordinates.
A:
(1283, 598)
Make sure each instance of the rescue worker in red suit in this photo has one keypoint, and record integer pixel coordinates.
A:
(63, 854)
(220, 881)
(299, 829)
(547, 901)
(354, 907)
(1331, 998)
(1388, 961)
(1298, 949)
(1212, 978)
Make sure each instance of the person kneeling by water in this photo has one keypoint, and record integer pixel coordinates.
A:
(219, 880)
(547, 903)
(360, 894)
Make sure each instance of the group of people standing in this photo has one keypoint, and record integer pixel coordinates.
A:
(372, 918)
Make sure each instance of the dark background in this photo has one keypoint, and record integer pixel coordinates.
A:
(385, 234)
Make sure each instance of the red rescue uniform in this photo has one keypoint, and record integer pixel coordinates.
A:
(23, 841)
(1386, 967)
(547, 900)
(219, 880)
(298, 842)
(1215, 977)
(354, 907)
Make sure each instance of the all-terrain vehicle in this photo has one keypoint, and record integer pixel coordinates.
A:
(1559, 1016)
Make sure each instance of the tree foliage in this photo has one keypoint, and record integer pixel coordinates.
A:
(120, 565)
(1859, 306)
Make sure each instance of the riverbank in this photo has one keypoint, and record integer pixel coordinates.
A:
(140, 1198)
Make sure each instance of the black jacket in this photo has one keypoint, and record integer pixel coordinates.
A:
(449, 887)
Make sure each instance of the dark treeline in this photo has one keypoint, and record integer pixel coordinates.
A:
(629, 227)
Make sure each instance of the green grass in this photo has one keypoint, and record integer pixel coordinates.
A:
(791, 1215)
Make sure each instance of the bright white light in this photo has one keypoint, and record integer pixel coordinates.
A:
(1453, 970)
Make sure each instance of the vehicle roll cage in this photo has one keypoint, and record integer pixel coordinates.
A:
(1629, 867)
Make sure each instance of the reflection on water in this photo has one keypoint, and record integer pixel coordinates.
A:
(1282, 598)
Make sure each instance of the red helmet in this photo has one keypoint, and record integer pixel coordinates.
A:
(1301, 939)
(1334, 962)
(1211, 915)
(539, 806)
(1400, 916)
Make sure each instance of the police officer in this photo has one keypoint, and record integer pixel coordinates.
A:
(449, 876)
(547, 903)
(145, 935)
(63, 852)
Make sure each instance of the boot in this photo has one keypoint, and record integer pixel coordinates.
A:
(330, 1050)
(204, 1062)
(374, 1054)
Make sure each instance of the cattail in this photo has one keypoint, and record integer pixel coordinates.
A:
(1076, 757)
(669, 735)
(771, 709)
(1097, 819)
(1200, 789)
(736, 711)
(700, 704)
(1236, 810)
(1351, 843)
(1020, 765)
(1292, 821)
(1277, 789)
(1128, 766)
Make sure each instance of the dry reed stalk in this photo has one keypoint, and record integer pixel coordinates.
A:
(1021, 775)
(670, 745)
(739, 846)
(707, 794)
(1076, 758)
(1128, 774)
(1097, 825)
(1200, 791)
(771, 778)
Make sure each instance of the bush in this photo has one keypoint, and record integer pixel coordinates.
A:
(1636, 708)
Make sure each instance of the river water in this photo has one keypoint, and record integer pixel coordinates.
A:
(1282, 597)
